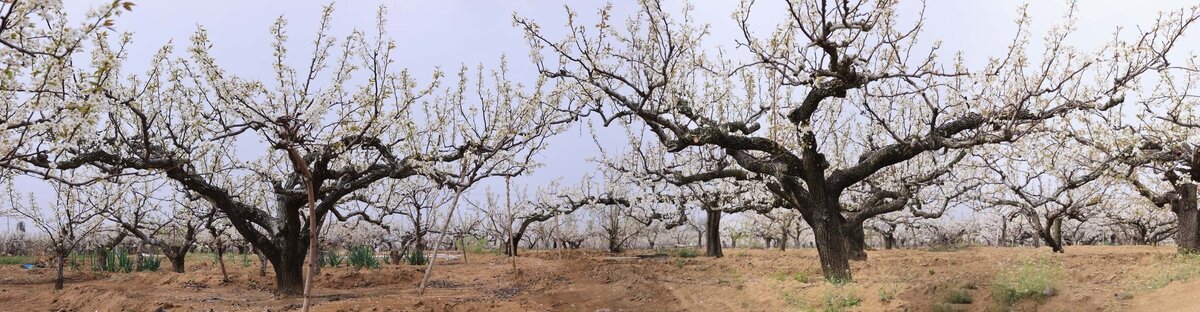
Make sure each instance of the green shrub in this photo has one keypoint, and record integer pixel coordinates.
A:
(1031, 279)
(887, 294)
(1182, 267)
(801, 277)
(958, 296)
(417, 257)
(150, 264)
(332, 259)
(686, 253)
(796, 302)
(472, 245)
(10, 260)
(363, 257)
(117, 261)
(840, 299)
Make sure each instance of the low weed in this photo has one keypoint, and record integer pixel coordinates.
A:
(1031, 279)
(686, 253)
(840, 299)
(958, 296)
(10, 260)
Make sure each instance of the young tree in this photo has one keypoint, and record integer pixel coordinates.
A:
(171, 224)
(75, 216)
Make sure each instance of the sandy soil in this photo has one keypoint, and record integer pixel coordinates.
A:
(1084, 279)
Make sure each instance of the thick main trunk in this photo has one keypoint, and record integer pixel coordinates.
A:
(289, 275)
(783, 240)
(511, 250)
(614, 243)
(59, 260)
(1003, 233)
(176, 255)
(1187, 232)
(826, 222)
(1047, 236)
(1058, 238)
(889, 240)
(712, 234)
(177, 262)
(856, 241)
(262, 264)
(221, 262)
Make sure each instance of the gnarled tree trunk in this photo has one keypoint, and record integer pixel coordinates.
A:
(827, 223)
(856, 241)
(1187, 232)
(60, 259)
(712, 234)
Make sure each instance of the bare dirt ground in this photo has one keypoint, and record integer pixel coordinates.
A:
(1084, 279)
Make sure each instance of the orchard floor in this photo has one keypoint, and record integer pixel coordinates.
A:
(1086, 278)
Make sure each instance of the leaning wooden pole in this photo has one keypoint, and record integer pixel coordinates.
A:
(512, 241)
(445, 225)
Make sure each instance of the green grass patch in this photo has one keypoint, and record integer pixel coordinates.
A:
(958, 296)
(795, 302)
(1031, 279)
(840, 299)
(888, 293)
(685, 253)
(1178, 268)
(364, 257)
(10, 260)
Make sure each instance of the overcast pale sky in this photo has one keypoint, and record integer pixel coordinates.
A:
(451, 33)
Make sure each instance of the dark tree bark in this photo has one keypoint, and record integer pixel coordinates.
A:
(60, 259)
(831, 241)
(1188, 220)
(712, 234)
(101, 254)
(783, 239)
(177, 259)
(856, 241)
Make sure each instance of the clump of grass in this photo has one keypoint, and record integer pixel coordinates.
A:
(686, 253)
(332, 259)
(795, 301)
(887, 294)
(10, 260)
(1034, 279)
(951, 247)
(363, 257)
(946, 307)
(958, 296)
(117, 261)
(802, 277)
(839, 299)
(151, 264)
(839, 281)
(1181, 268)
(779, 276)
(416, 257)
(473, 245)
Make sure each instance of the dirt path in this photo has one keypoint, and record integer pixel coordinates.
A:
(1085, 278)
